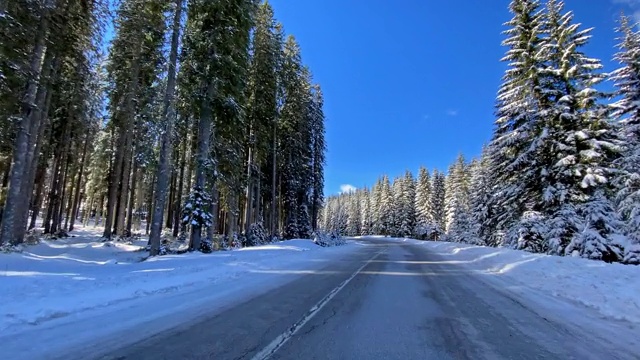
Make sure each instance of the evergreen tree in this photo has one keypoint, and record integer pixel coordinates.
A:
(408, 213)
(437, 202)
(582, 140)
(424, 214)
(627, 110)
(366, 226)
(514, 151)
(480, 198)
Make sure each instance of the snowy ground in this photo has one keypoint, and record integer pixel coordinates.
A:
(612, 290)
(92, 289)
(81, 275)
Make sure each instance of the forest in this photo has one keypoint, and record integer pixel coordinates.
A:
(561, 173)
(189, 119)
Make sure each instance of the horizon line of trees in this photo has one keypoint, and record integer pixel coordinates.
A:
(199, 118)
(561, 173)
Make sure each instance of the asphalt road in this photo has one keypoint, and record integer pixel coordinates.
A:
(390, 301)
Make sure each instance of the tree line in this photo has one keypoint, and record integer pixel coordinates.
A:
(561, 173)
(198, 118)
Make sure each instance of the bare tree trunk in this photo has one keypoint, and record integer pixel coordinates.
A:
(274, 198)
(36, 131)
(69, 206)
(19, 167)
(204, 137)
(76, 200)
(132, 198)
(123, 142)
(232, 218)
(249, 191)
(124, 186)
(52, 194)
(114, 181)
(37, 201)
(172, 192)
(165, 150)
(178, 203)
(151, 206)
(57, 214)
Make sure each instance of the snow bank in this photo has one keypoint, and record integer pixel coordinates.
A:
(610, 289)
(56, 279)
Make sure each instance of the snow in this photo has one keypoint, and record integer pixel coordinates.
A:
(68, 281)
(611, 290)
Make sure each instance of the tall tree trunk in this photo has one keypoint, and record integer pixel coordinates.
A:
(76, 200)
(172, 194)
(72, 191)
(124, 186)
(204, 137)
(248, 206)
(152, 190)
(36, 131)
(52, 193)
(125, 132)
(132, 198)
(62, 187)
(165, 149)
(274, 198)
(37, 201)
(177, 224)
(114, 185)
(28, 111)
(36, 161)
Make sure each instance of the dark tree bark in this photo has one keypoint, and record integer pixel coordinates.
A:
(132, 198)
(165, 150)
(28, 111)
(202, 156)
(76, 200)
(177, 223)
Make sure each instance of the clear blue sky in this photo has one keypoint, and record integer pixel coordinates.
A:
(413, 82)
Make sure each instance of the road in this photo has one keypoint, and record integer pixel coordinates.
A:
(390, 301)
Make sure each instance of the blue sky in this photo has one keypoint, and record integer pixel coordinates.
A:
(413, 82)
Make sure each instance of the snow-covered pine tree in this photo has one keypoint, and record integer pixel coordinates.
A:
(627, 110)
(385, 208)
(376, 200)
(583, 142)
(424, 215)
(437, 203)
(353, 213)
(480, 198)
(456, 190)
(397, 207)
(457, 202)
(514, 150)
(408, 214)
(366, 212)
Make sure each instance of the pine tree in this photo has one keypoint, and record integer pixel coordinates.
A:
(408, 213)
(480, 198)
(514, 151)
(582, 141)
(366, 216)
(385, 208)
(167, 135)
(424, 214)
(627, 110)
(437, 202)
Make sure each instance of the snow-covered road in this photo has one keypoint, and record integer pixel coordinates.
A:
(393, 300)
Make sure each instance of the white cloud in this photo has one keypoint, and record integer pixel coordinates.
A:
(633, 5)
(452, 112)
(347, 188)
